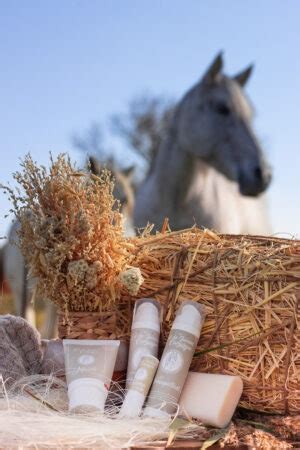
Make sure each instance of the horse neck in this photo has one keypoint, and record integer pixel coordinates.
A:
(174, 170)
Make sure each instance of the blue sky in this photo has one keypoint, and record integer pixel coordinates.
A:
(67, 63)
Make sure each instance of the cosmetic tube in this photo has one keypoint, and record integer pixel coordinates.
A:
(145, 332)
(140, 386)
(176, 360)
(89, 369)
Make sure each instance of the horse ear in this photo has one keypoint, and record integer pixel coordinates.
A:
(214, 69)
(94, 165)
(242, 77)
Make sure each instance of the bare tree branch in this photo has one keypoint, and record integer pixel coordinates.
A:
(144, 125)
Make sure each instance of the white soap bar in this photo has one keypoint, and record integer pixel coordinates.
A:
(210, 398)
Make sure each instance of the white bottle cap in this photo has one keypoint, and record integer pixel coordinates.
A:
(146, 316)
(132, 405)
(189, 319)
(88, 392)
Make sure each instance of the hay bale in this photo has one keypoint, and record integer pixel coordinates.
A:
(250, 287)
(72, 238)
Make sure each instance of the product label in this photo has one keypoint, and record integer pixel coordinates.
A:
(172, 370)
(143, 342)
(90, 361)
(86, 360)
(144, 375)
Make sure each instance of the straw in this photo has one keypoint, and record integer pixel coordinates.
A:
(33, 414)
(250, 286)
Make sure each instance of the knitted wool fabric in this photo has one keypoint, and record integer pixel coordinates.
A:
(20, 349)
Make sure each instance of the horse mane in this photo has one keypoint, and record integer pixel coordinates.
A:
(170, 132)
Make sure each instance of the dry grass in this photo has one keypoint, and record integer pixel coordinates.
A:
(71, 234)
(250, 288)
(33, 415)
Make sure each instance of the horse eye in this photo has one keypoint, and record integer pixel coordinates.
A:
(222, 109)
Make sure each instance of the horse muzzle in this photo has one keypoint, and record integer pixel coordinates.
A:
(254, 182)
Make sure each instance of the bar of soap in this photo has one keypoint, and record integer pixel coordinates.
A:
(210, 398)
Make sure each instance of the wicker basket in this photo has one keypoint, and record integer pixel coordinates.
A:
(113, 323)
(91, 325)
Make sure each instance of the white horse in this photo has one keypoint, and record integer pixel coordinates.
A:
(210, 169)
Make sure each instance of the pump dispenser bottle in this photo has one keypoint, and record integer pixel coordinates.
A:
(176, 360)
(145, 332)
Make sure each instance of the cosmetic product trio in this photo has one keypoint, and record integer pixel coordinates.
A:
(161, 387)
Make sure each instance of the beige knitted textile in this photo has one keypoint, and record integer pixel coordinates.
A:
(20, 349)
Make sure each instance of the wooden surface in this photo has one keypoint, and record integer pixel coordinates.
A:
(186, 445)
(181, 445)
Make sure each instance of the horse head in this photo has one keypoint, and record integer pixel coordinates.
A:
(124, 189)
(213, 122)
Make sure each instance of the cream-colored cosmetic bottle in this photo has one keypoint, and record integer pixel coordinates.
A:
(176, 360)
(145, 332)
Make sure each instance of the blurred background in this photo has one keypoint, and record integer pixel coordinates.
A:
(101, 77)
